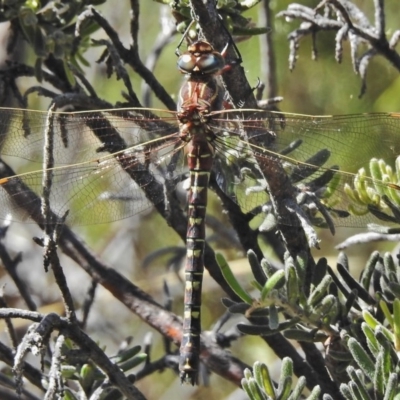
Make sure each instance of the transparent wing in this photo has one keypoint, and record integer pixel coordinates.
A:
(113, 164)
(322, 156)
(108, 164)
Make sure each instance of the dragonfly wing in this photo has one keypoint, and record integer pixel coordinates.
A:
(237, 171)
(78, 135)
(321, 155)
(94, 185)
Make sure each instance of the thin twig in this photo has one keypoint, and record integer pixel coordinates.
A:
(10, 327)
(134, 24)
(120, 71)
(11, 268)
(268, 63)
(88, 302)
(167, 31)
(53, 224)
(31, 373)
(55, 382)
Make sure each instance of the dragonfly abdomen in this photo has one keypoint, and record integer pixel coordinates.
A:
(200, 157)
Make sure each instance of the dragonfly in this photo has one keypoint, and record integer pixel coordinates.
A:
(111, 164)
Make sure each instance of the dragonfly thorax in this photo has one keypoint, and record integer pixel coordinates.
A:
(200, 95)
(195, 126)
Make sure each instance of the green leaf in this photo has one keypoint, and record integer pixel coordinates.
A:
(256, 285)
(127, 354)
(247, 373)
(285, 376)
(389, 265)
(346, 392)
(299, 335)
(132, 363)
(386, 312)
(369, 319)
(256, 269)
(77, 59)
(298, 389)
(268, 268)
(68, 371)
(383, 339)
(69, 74)
(362, 358)
(320, 271)
(353, 284)
(28, 22)
(301, 264)
(396, 323)
(315, 393)
(379, 379)
(327, 308)
(265, 330)
(391, 387)
(356, 392)
(88, 374)
(286, 388)
(377, 172)
(255, 390)
(69, 395)
(369, 270)
(231, 280)
(259, 330)
(88, 28)
(292, 285)
(287, 367)
(350, 302)
(246, 387)
(372, 343)
(276, 281)
(263, 378)
(385, 332)
(236, 308)
(320, 291)
(387, 366)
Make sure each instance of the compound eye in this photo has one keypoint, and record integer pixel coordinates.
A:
(186, 63)
(210, 63)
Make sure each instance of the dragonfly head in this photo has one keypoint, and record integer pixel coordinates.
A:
(201, 59)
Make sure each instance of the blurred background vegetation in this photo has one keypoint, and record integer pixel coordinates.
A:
(321, 87)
